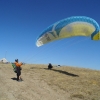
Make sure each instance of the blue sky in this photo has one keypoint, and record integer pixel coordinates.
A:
(22, 21)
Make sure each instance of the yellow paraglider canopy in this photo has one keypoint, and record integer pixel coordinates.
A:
(69, 27)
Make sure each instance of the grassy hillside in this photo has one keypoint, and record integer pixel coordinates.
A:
(80, 83)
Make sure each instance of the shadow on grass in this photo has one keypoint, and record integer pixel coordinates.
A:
(14, 78)
(35, 68)
(63, 72)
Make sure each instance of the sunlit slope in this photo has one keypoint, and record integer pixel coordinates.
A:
(78, 83)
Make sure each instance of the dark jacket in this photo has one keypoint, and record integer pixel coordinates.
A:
(50, 66)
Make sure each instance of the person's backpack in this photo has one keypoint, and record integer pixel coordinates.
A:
(14, 68)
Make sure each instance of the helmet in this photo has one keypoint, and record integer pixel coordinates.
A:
(16, 60)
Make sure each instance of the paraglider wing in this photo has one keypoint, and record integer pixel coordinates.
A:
(69, 27)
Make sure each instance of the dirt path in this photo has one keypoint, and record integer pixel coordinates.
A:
(32, 88)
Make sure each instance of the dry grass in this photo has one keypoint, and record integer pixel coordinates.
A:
(80, 83)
